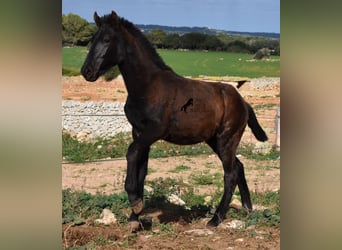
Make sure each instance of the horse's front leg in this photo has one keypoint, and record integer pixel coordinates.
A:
(137, 160)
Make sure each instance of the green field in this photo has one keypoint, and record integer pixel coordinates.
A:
(192, 63)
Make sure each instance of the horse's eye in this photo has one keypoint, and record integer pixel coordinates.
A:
(106, 39)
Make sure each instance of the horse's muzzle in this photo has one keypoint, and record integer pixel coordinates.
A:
(89, 74)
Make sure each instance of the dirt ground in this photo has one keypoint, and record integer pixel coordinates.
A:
(107, 177)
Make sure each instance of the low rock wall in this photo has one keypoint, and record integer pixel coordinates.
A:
(88, 120)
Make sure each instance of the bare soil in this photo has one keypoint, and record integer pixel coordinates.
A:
(108, 176)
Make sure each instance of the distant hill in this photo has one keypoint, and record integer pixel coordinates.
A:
(183, 30)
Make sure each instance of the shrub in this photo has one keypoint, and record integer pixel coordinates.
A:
(262, 54)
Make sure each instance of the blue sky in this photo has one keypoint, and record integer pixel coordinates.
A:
(232, 15)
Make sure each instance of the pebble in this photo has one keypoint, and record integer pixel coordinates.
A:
(199, 232)
(174, 199)
(107, 217)
(235, 224)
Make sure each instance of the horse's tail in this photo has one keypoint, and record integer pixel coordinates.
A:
(253, 123)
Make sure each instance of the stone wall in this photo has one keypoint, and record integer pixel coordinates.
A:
(88, 120)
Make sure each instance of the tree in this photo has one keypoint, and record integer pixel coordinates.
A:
(157, 38)
(193, 40)
(172, 41)
(76, 30)
(213, 43)
(238, 46)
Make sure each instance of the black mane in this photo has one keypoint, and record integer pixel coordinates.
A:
(143, 41)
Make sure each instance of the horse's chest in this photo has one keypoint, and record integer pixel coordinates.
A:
(139, 115)
(134, 116)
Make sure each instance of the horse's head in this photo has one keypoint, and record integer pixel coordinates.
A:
(106, 49)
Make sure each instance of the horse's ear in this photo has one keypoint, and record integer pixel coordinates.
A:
(115, 18)
(97, 19)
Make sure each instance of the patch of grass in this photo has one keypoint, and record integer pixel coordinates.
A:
(180, 168)
(209, 165)
(263, 218)
(247, 151)
(267, 199)
(191, 63)
(207, 178)
(70, 72)
(269, 216)
(85, 98)
(77, 206)
(196, 63)
(151, 170)
(72, 60)
(265, 106)
(164, 149)
(166, 229)
(162, 188)
(76, 151)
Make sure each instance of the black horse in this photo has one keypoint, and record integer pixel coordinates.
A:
(164, 105)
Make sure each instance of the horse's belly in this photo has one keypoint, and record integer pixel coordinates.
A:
(190, 131)
(184, 140)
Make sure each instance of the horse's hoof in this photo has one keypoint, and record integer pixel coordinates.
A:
(138, 207)
(214, 222)
(133, 226)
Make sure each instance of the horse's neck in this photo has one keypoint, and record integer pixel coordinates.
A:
(137, 70)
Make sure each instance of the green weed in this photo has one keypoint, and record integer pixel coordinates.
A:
(77, 206)
(265, 106)
(247, 151)
(76, 151)
(180, 168)
(206, 178)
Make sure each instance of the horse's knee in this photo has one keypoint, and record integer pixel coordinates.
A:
(132, 152)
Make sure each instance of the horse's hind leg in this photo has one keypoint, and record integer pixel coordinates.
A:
(242, 184)
(241, 179)
(226, 149)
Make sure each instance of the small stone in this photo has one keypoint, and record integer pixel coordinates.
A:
(83, 136)
(148, 189)
(207, 199)
(174, 199)
(199, 232)
(107, 217)
(236, 204)
(235, 224)
(133, 226)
